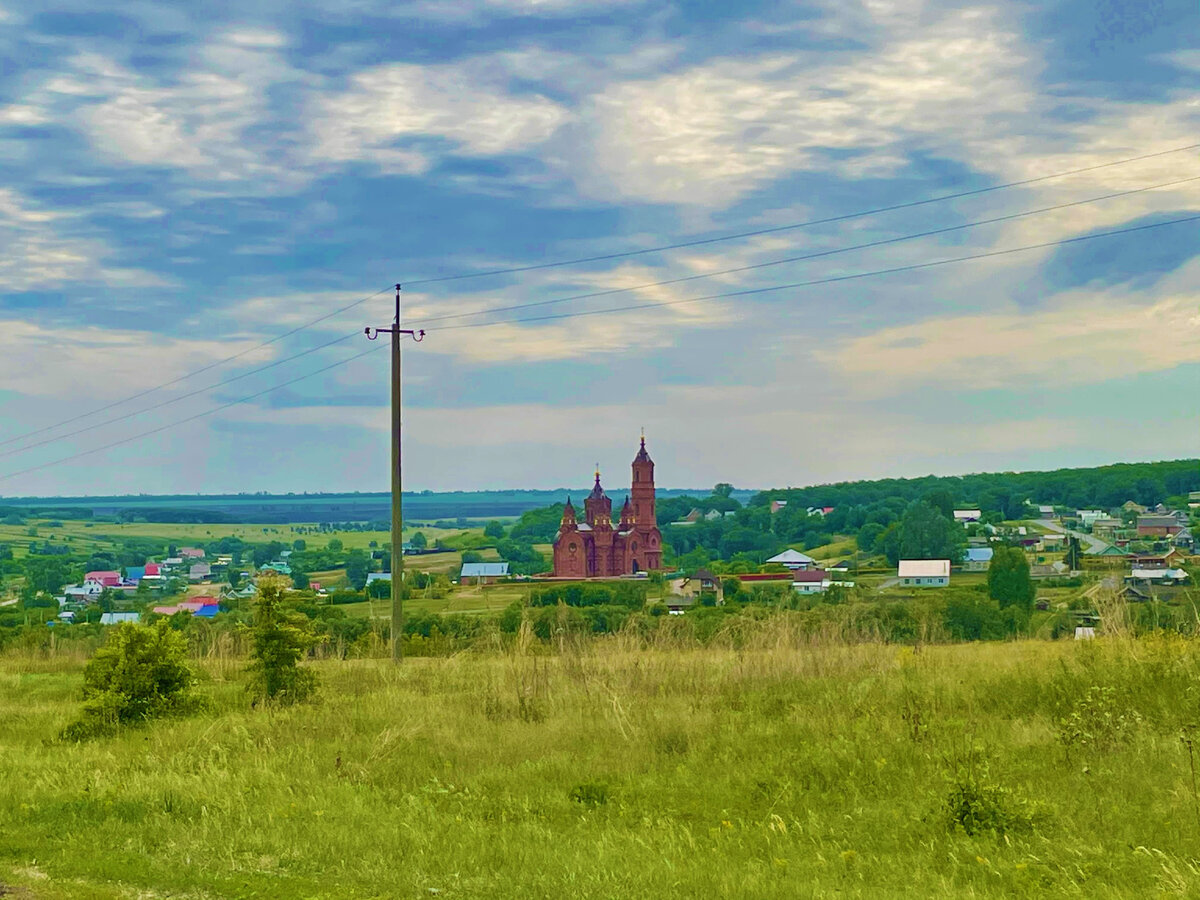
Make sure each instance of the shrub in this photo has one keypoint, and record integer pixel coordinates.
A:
(977, 806)
(281, 638)
(140, 674)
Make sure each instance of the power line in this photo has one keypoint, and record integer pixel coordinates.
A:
(176, 423)
(203, 390)
(597, 258)
(808, 256)
(830, 280)
(662, 248)
(194, 372)
(748, 292)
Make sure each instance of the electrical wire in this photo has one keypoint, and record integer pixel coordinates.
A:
(681, 245)
(194, 372)
(808, 256)
(203, 390)
(819, 281)
(201, 415)
(595, 294)
(609, 311)
(596, 258)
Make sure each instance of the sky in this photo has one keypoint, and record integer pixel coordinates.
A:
(183, 184)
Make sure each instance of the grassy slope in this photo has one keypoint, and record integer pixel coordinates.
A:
(781, 772)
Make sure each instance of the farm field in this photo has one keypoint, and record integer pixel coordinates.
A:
(780, 769)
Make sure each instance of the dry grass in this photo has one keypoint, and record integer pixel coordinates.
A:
(791, 766)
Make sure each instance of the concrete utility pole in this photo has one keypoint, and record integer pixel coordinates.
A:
(397, 503)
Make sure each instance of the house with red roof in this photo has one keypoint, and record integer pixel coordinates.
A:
(810, 581)
(105, 579)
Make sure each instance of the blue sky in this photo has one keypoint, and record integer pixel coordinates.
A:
(182, 184)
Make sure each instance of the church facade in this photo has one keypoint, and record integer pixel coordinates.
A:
(598, 548)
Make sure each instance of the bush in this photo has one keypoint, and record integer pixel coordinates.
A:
(281, 638)
(140, 674)
(977, 806)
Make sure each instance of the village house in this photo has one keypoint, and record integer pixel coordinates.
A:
(105, 579)
(1156, 576)
(777, 505)
(191, 553)
(702, 582)
(793, 559)
(977, 559)
(199, 572)
(967, 515)
(1107, 527)
(1088, 517)
(483, 573)
(810, 581)
(924, 572)
(1158, 526)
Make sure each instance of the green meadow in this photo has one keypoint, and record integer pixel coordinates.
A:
(765, 764)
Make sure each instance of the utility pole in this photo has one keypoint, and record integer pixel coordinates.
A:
(397, 504)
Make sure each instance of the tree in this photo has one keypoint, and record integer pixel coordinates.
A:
(494, 530)
(335, 545)
(235, 578)
(281, 638)
(357, 567)
(723, 489)
(943, 501)
(299, 544)
(926, 534)
(867, 535)
(139, 674)
(418, 540)
(1009, 583)
(300, 580)
(1074, 556)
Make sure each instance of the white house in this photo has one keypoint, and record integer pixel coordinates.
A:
(810, 581)
(1089, 516)
(924, 572)
(89, 590)
(977, 559)
(793, 559)
(967, 515)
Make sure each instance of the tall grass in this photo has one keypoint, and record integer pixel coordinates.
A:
(770, 762)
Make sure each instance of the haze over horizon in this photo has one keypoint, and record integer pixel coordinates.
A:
(183, 185)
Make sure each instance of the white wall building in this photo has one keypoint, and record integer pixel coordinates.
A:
(924, 572)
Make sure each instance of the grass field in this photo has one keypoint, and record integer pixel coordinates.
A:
(778, 769)
(101, 535)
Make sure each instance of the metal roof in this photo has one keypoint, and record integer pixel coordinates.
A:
(484, 570)
(979, 554)
(791, 556)
(924, 568)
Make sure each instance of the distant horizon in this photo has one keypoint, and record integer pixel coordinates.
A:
(609, 488)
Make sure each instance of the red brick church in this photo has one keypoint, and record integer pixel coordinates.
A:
(594, 548)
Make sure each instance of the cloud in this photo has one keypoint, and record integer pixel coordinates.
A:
(99, 364)
(213, 119)
(40, 248)
(721, 129)
(1080, 338)
(388, 105)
